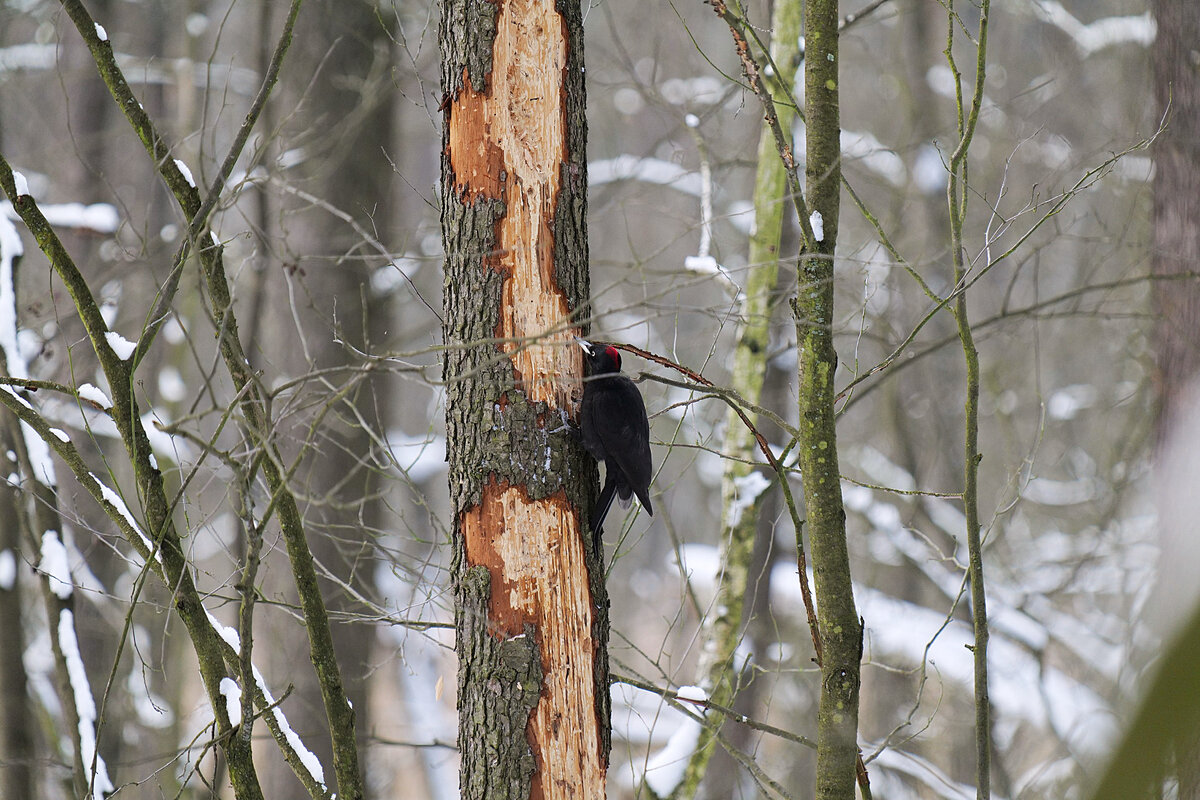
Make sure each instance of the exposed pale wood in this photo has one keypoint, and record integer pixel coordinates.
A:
(532, 552)
(506, 143)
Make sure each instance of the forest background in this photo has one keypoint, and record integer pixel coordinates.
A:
(1081, 303)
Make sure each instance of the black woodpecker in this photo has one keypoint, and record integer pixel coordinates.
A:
(615, 431)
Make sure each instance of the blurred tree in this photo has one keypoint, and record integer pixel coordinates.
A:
(1176, 254)
(315, 316)
(18, 773)
(1176, 259)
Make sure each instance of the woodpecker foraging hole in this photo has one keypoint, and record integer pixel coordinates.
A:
(615, 431)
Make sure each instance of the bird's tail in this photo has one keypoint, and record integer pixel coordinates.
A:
(625, 498)
(601, 511)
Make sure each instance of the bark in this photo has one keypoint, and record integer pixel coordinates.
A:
(532, 615)
(723, 628)
(841, 630)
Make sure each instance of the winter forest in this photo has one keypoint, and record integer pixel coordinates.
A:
(294, 499)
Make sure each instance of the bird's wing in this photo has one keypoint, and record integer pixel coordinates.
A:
(625, 436)
(589, 420)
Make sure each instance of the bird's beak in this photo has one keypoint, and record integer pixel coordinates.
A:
(585, 344)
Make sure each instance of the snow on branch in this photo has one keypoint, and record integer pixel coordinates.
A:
(1139, 29)
(305, 756)
(85, 706)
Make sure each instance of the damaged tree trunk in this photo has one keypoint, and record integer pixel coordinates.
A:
(532, 616)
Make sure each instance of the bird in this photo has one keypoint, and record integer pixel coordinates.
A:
(615, 430)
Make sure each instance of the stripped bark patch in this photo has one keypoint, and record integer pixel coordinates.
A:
(534, 552)
(475, 158)
(527, 67)
(508, 142)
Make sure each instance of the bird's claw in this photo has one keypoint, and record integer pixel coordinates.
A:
(567, 425)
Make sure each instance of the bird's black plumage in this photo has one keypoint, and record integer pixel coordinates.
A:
(615, 430)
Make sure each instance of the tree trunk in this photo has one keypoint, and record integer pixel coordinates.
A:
(532, 615)
(327, 293)
(841, 631)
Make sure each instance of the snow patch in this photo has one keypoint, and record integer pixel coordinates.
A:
(39, 452)
(10, 249)
(54, 565)
(883, 470)
(95, 395)
(171, 385)
(101, 33)
(747, 488)
(418, 457)
(22, 184)
(28, 57)
(818, 225)
(8, 570)
(227, 633)
(174, 447)
(700, 90)
(863, 147)
(665, 769)
(646, 170)
(152, 711)
(306, 756)
(195, 24)
(391, 277)
(929, 171)
(173, 331)
(98, 217)
(1022, 687)
(1068, 401)
(115, 500)
(120, 345)
(922, 771)
(1049, 492)
(233, 700)
(1105, 32)
(187, 173)
(740, 214)
(707, 265)
(85, 704)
